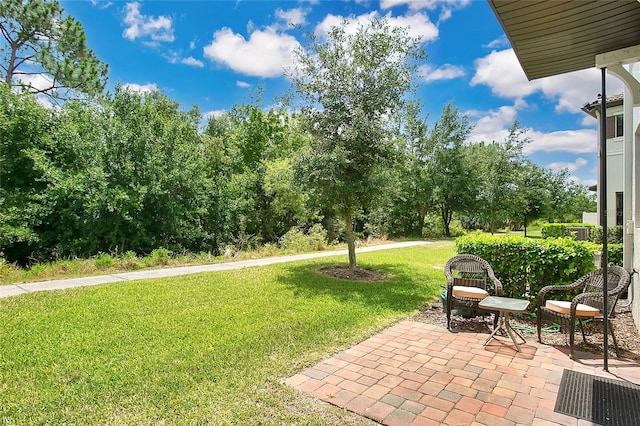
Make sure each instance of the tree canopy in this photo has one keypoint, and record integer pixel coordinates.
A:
(44, 52)
(351, 85)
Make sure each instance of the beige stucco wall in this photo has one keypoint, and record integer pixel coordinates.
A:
(634, 292)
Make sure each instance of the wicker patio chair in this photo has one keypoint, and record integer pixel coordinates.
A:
(469, 280)
(587, 304)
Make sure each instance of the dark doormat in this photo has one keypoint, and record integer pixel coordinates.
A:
(596, 399)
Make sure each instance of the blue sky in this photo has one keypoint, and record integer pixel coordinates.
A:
(215, 54)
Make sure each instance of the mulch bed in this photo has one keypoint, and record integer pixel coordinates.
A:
(625, 330)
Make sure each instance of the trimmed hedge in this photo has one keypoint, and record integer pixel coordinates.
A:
(526, 265)
(558, 230)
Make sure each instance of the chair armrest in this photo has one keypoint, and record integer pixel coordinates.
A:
(498, 286)
(551, 288)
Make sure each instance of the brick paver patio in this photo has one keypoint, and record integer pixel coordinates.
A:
(420, 374)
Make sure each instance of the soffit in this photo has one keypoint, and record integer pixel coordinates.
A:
(553, 37)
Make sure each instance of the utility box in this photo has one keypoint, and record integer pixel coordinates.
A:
(579, 233)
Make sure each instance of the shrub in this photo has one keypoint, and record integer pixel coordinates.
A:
(614, 254)
(297, 241)
(103, 261)
(8, 270)
(524, 265)
(557, 230)
(434, 227)
(130, 260)
(159, 257)
(614, 234)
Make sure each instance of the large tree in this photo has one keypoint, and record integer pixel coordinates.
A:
(451, 166)
(352, 84)
(45, 52)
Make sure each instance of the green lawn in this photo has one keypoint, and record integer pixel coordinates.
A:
(208, 348)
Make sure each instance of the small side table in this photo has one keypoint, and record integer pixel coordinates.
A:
(504, 306)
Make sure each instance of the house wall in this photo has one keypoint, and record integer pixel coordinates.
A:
(634, 126)
(615, 168)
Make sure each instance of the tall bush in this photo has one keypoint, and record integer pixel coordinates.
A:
(524, 265)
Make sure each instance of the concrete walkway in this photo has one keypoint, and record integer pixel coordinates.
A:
(16, 289)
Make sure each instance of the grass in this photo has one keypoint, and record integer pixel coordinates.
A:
(207, 348)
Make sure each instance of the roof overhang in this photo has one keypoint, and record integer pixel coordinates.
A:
(554, 37)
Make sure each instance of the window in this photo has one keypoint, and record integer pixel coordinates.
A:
(619, 126)
(619, 208)
(615, 126)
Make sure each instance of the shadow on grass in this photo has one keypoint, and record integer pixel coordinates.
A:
(403, 289)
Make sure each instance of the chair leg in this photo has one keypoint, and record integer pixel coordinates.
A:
(584, 339)
(615, 341)
(572, 337)
(448, 316)
(539, 321)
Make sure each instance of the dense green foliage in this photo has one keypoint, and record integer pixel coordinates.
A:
(135, 173)
(351, 86)
(130, 172)
(525, 265)
(555, 230)
(198, 349)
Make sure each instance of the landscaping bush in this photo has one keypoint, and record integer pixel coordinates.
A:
(557, 230)
(297, 241)
(614, 254)
(434, 227)
(524, 265)
(614, 234)
(159, 257)
(103, 261)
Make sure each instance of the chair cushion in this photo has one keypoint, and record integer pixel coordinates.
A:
(564, 307)
(469, 292)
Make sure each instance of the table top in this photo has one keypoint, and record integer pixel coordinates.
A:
(504, 304)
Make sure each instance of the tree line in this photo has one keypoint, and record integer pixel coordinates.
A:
(134, 172)
(122, 171)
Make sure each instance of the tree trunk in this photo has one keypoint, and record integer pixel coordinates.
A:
(446, 220)
(351, 240)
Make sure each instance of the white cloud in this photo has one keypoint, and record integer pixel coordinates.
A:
(242, 84)
(140, 88)
(428, 73)
(174, 58)
(501, 71)
(37, 81)
(192, 44)
(292, 16)
(140, 26)
(265, 54)
(193, 62)
(494, 126)
(582, 141)
(418, 24)
(501, 41)
(424, 4)
(101, 4)
(214, 114)
(588, 120)
(558, 166)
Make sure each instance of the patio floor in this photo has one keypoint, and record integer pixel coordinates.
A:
(420, 374)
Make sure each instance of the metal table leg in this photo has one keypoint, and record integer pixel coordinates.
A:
(503, 324)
